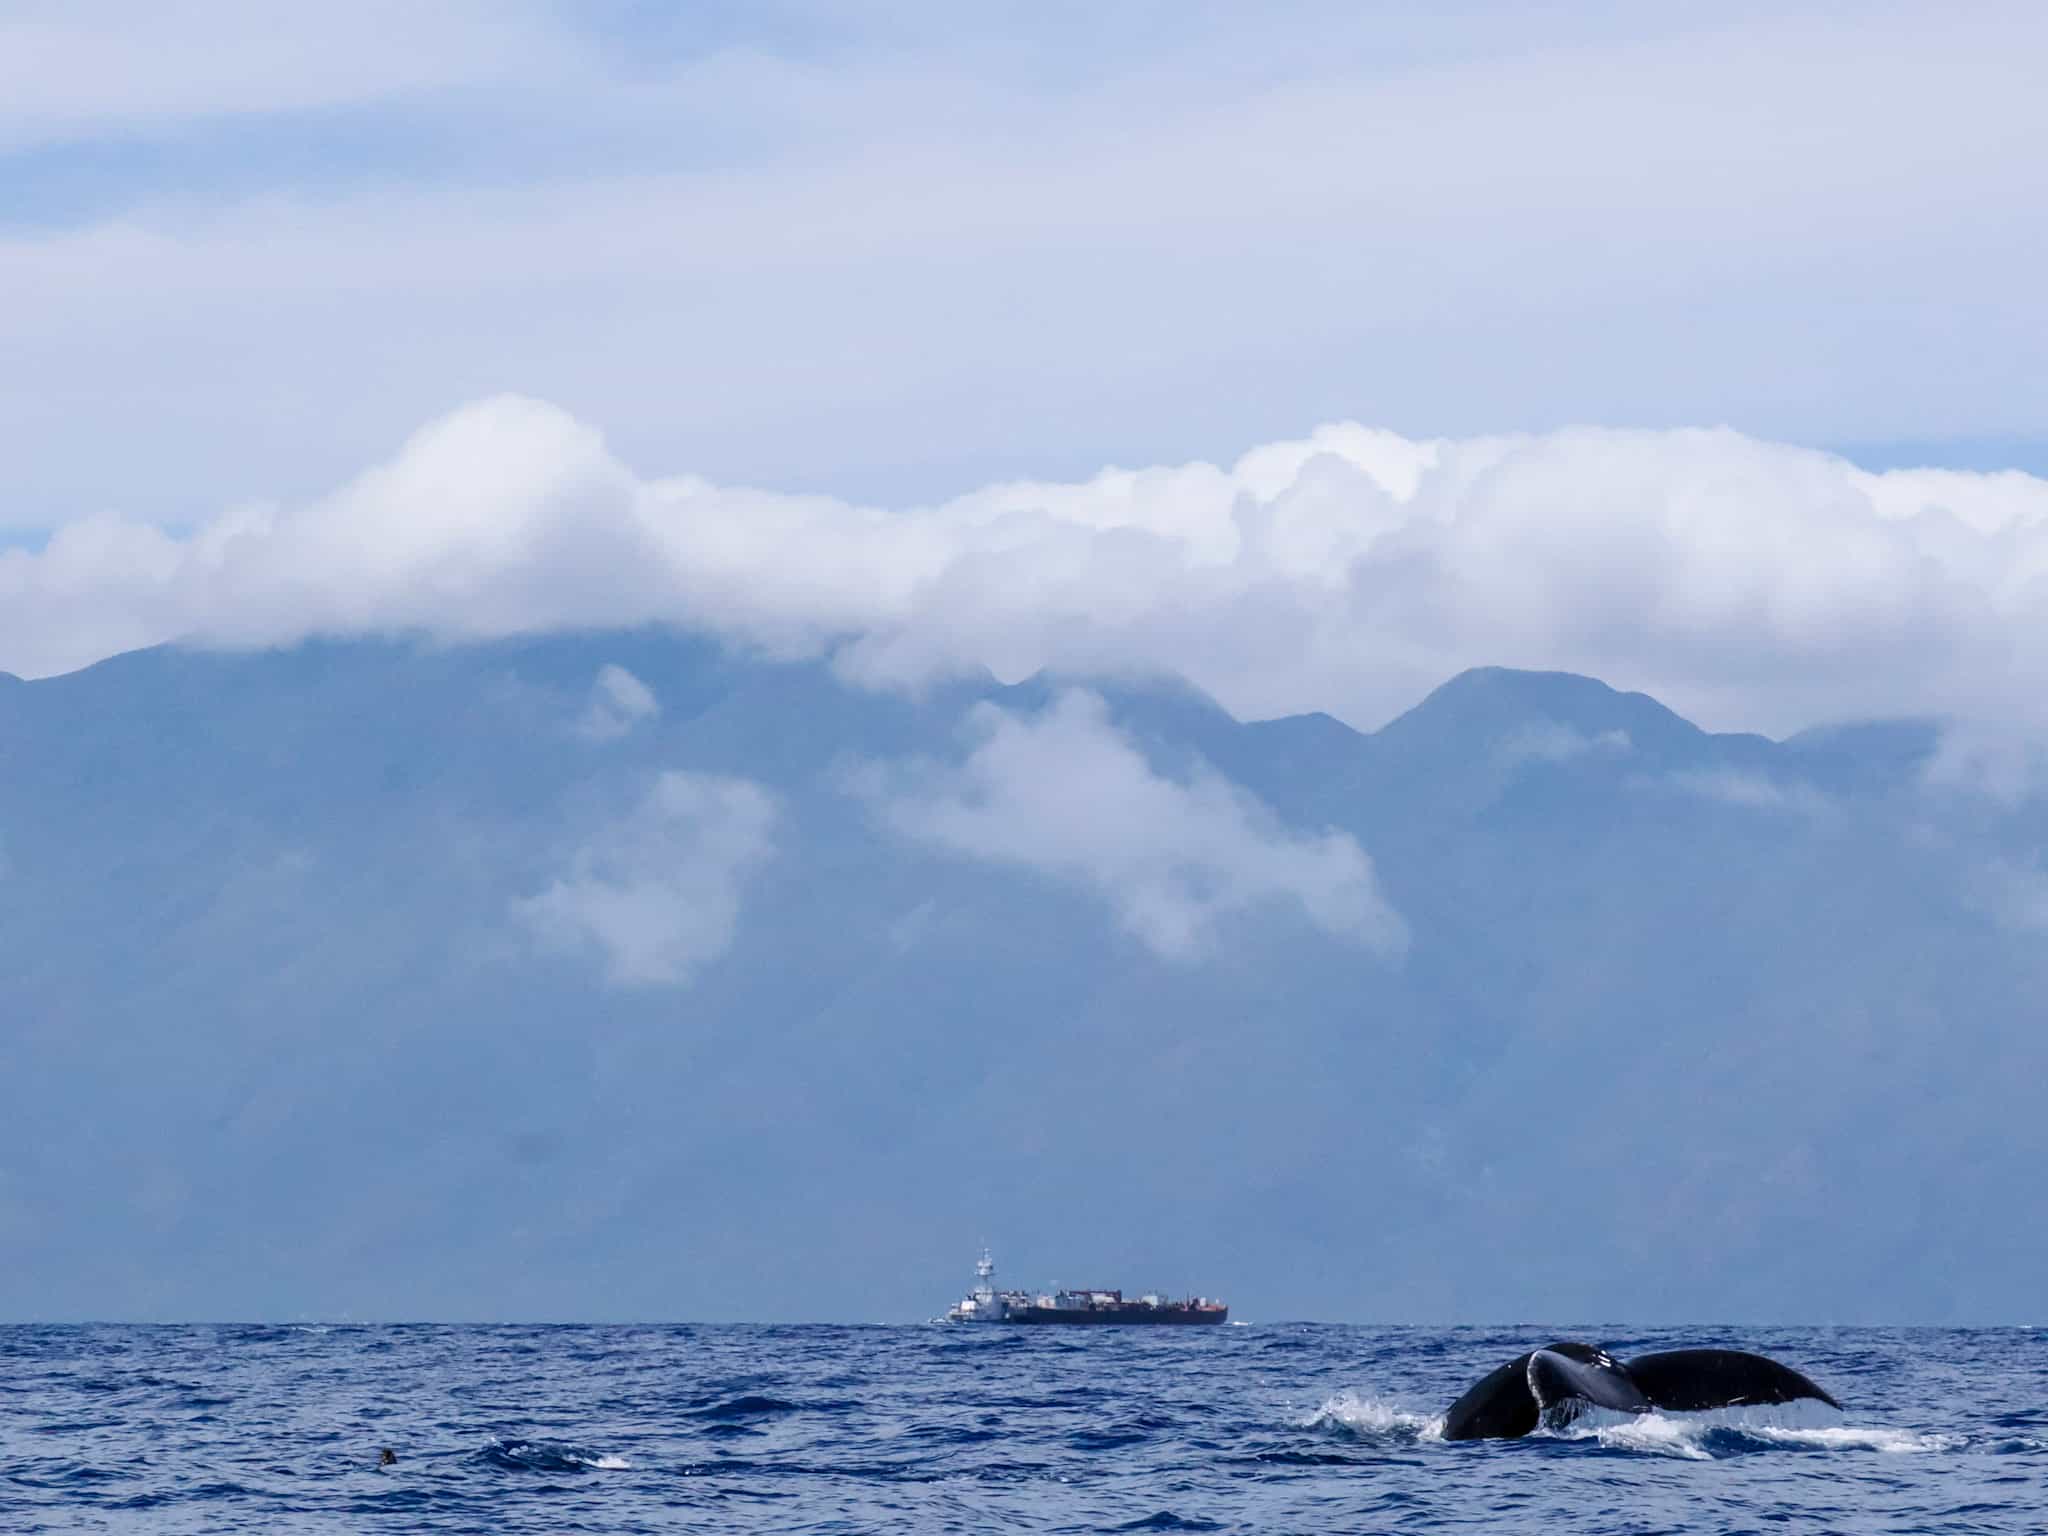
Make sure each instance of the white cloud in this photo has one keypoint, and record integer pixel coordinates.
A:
(656, 894)
(1754, 791)
(1747, 584)
(1064, 792)
(80, 68)
(2006, 760)
(618, 702)
(1549, 741)
(907, 262)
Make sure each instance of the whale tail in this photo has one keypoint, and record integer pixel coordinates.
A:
(1689, 1380)
(1566, 1379)
(1498, 1406)
(1557, 1383)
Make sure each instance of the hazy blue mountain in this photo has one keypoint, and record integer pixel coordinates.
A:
(302, 1012)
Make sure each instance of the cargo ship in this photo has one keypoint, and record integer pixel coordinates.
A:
(987, 1304)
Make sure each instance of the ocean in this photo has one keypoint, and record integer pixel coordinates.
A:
(1267, 1427)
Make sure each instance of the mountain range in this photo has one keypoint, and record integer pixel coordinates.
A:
(620, 975)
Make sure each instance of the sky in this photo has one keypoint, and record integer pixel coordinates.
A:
(1595, 319)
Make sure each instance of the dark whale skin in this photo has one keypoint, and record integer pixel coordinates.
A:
(1498, 1406)
(1511, 1400)
(1687, 1380)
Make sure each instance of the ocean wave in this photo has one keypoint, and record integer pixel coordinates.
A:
(510, 1455)
(1167, 1520)
(1109, 1439)
(1291, 1458)
(751, 1406)
(749, 1428)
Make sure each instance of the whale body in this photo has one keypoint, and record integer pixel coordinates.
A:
(1556, 1383)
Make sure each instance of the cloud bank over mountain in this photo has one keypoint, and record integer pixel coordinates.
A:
(1066, 793)
(1754, 585)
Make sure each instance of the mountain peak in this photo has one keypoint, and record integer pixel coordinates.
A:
(1485, 705)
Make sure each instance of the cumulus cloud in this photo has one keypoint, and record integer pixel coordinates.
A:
(656, 894)
(618, 702)
(1066, 793)
(889, 245)
(1748, 584)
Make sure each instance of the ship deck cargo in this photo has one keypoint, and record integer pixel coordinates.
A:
(987, 1304)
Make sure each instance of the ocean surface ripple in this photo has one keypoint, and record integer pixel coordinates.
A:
(1268, 1427)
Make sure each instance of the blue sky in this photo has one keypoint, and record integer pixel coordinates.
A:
(900, 250)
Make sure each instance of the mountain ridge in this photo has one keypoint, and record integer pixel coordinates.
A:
(458, 981)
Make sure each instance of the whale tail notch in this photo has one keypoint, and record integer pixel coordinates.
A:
(1567, 1379)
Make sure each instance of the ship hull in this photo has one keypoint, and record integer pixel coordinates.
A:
(1135, 1316)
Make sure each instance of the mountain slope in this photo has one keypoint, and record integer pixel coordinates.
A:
(613, 975)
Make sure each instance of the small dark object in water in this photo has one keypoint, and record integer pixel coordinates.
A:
(1559, 1382)
(387, 1457)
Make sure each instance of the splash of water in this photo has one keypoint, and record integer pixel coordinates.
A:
(548, 1456)
(1734, 1432)
(1369, 1416)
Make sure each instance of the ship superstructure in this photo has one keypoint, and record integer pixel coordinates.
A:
(987, 1303)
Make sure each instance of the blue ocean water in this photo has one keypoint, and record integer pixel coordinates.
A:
(1275, 1427)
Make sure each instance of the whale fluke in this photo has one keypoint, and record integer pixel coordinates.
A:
(1567, 1375)
(1687, 1380)
(1498, 1406)
(1561, 1380)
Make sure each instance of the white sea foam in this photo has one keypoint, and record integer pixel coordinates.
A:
(552, 1455)
(1689, 1437)
(1857, 1437)
(1370, 1416)
(1656, 1435)
(1699, 1437)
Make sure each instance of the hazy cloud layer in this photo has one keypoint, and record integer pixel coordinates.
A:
(92, 70)
(903, 248)
(656, 894)
(2005, 759)
(1066, 793)
(1747, 584)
